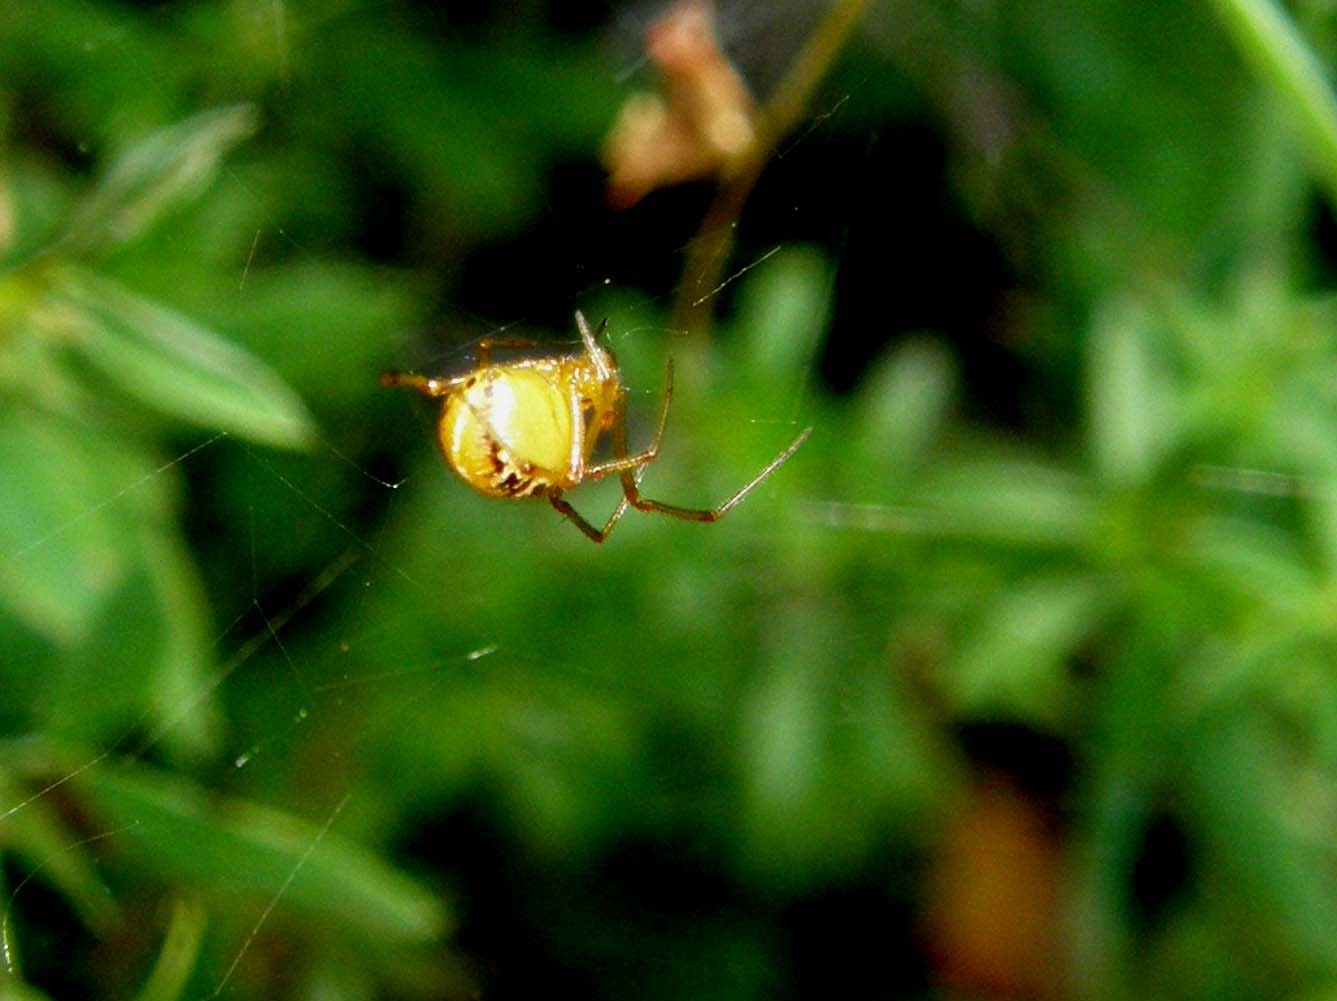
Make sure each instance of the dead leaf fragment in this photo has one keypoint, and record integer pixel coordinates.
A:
(703, 120)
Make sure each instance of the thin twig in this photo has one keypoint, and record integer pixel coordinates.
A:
(711, 247)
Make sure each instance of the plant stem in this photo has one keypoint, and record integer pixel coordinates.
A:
(1273, 46)
(710, 248)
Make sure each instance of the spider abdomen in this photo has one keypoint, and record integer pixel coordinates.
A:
(507, 432)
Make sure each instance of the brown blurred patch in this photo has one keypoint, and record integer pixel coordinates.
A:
(992, 899)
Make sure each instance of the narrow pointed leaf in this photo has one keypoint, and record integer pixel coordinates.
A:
(1129, 429)
(1014, 661)
(180, 949)
(179, 367)
(231, 845)
(160, 172)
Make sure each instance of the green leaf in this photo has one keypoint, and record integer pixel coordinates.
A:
(1259, 562)
(180, 949)
(1132, 745)
(52, 852)
(13, 990)
(60, 553)
(783, 313)
(826, 761)
(905, 401)
(1268, 835)
(214, 842)
(89, 562)
(161, 171)
(1014, 661)
(102, 687)
(178, 367)
(1321, 515)
(189, 721)
(783, 745)
(1010, 501)
(1278, 54)
(1129, 418)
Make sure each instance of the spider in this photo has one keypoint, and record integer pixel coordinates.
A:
(528, 429)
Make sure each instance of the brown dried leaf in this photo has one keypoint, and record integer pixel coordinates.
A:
(703, 121)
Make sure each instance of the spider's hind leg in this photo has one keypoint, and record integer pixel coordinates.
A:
(576, 518)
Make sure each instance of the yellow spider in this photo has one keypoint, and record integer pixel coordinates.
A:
(528, 429)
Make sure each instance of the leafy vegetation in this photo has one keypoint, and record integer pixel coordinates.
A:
(1019, 680)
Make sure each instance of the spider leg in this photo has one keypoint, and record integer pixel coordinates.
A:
(599, 358)
(631, 481)
(565, 509)
(630, 466)
(488, 344)
(633, 494)
(621, 462)
(434, 386)
(576, 518)
(590, 339)
(427, 385)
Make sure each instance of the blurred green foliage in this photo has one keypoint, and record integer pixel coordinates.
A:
(288, 712)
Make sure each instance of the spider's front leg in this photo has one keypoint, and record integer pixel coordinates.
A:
(621, 461)
(488, 344)
(631, 468)
(427, 385)
(436, 386)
